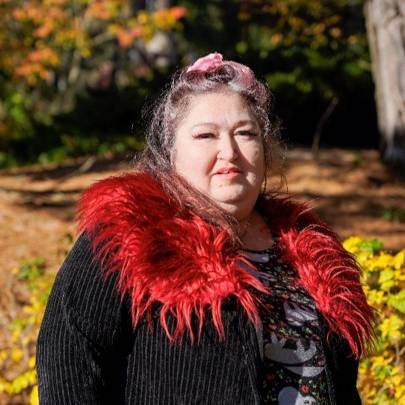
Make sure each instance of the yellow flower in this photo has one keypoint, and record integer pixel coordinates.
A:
(31, 362)
(383, 261)
(391, 328)
(16, 355)
(34, 399)
(351, 244)
(375, 297)
(399, 260)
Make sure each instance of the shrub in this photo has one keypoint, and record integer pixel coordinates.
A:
(17, 356)
(381, 374)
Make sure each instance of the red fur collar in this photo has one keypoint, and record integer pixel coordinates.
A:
(184, 263)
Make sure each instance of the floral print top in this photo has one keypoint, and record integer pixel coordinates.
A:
(294, 360)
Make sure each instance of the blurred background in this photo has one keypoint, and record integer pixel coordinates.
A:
(75, 75)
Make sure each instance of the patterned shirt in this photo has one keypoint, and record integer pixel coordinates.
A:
(294, 359)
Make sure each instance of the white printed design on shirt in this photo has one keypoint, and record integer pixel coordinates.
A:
(290, 396)
(294, 360)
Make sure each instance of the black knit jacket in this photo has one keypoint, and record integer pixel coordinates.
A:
(88, 352)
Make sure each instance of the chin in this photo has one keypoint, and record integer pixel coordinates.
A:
(240, 208)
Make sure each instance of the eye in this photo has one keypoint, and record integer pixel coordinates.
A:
(204, 135)
(247, 133)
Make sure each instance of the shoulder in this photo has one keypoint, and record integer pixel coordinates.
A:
(326, 270)
(87, 297)
(132, 199)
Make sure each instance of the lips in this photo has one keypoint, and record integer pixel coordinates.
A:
(227, 170)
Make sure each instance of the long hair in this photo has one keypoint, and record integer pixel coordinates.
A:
(165, 114)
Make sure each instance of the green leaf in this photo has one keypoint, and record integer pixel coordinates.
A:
(31, 270)
(397, 301)
(387, 279)
(241, 47)
(371, 245)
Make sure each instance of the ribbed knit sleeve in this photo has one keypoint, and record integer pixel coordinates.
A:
(84, 335)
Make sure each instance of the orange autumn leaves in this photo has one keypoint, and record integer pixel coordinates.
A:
(144, 25)
(314, 23)
(37, 33)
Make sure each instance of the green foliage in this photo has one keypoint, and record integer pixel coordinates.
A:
(394, 214)
(58, 59)
(381, 374)
(397, 301)
(15, 110)
(17, 357)
(357, 160)
(77, 75)
(309, 52)
(30, 271)
(370, 246)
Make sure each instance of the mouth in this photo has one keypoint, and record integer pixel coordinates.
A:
(229, 170)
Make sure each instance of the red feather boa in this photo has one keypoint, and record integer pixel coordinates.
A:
(185, 265)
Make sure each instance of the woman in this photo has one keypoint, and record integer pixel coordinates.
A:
(190, 284)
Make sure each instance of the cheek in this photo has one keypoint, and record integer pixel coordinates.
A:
(191, 155)
(193, 165)
(179, 156)
(257, 160)
(187, 159)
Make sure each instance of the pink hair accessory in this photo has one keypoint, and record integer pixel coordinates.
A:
(207, 62)
(213, 60)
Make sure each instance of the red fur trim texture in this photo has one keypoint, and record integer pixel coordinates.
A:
(331, 277)
(185, 265)
(326, 270)
(162, 257)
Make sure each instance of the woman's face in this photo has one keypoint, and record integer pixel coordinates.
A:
(218, 149)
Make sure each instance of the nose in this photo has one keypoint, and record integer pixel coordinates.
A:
(227, 148)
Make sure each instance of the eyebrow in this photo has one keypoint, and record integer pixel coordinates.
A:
(237, 124)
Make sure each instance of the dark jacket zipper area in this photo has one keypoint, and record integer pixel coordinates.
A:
(326, 350)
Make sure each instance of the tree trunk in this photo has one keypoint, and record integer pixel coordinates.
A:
(385, 20)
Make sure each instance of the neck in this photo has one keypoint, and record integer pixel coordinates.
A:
(255, 233)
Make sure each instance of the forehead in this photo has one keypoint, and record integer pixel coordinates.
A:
(219, 107)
